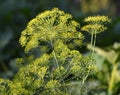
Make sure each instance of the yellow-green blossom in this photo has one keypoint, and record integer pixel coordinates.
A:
(94, 29)
(49, 26)
(76, 70)
(95, 24)
(52, 84)
(40, 72)
(58, 72)
(97, 19)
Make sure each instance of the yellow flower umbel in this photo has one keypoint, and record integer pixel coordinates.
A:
(97, 19)
(95, 25)
(94, 28)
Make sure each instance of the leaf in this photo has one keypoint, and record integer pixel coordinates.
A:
(110, 55)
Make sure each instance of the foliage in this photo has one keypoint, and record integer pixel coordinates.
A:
(110, 65)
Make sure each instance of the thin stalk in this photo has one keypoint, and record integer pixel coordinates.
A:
(83, 81)
(55, 58)
(68, 84)
(66, 75)
(67, 72)
(91, 43)
(112, 80)
(94, 44)
(66, 89)
(54, 54)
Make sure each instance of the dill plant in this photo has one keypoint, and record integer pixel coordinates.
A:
(95, 25)
(52, 60)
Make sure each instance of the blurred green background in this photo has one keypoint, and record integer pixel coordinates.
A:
(15, 14)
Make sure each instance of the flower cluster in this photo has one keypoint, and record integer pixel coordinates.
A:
(93, 28)
(95, 24)
(52, 84)
(47, 27)
(97, 19)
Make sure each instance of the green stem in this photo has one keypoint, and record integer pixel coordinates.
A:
(91, 43)
(54, 54)
(84, 79)
(112, 80)
(55, 58)
(94, 44)
(74, 83)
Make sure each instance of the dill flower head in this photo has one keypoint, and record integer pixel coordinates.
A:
(97, 19)
(94, 29)
(49, 26)
(95, 24)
